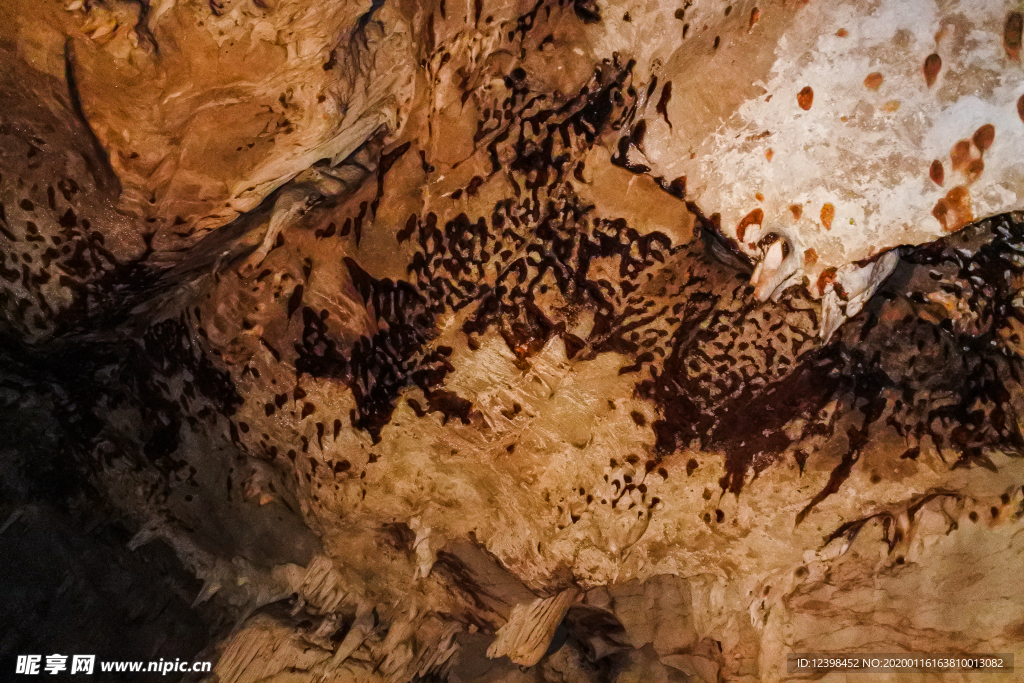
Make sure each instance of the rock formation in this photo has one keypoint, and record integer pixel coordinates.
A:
(560, 340)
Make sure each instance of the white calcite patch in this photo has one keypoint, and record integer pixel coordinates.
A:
(843, 170)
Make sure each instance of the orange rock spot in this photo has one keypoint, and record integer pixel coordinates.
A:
(873, 81)
(974, 170)
(954, 210)
(805, 98)
(825, 278)
(960, 155)
(828, 212)
(755, 217)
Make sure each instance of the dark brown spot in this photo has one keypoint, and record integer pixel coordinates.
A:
(984, 136)
(755, 217)
(755, 16)
(810, 257)
(295, 300)
(1012, 31)
(719, 516)
(797, 210)
(805, 98)
(828, 213)
(638, 418)
(662, 106)
(873, 81)
(937, 173)
(1020, 107)
(691, 465)
(932, 66)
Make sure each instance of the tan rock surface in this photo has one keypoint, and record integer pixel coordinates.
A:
(398, 324)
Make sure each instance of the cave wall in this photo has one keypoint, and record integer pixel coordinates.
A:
(553, 341)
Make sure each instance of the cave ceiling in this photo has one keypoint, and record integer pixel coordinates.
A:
(554, 340)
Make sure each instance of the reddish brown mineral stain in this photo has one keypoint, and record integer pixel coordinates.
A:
(805, 98)
(984, 136)
(1020, 107)
(810, 257)
(768, 154)
(873, 81)
(960, 155)
(755, 16)
(842, 33)
(755, 217)
(954, 210)
(828, 212)
(932, 66)
(936, 172)
(796, 210)
(758, 196)
(1012, 31)
(974, 170)
(825, 278)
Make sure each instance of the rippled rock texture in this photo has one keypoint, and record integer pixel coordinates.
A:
(543, 341)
